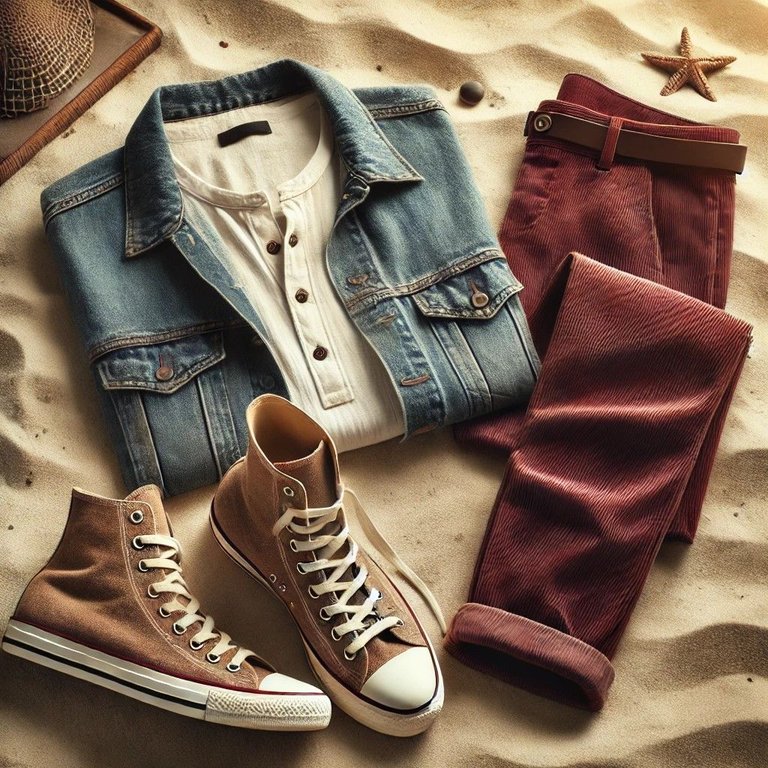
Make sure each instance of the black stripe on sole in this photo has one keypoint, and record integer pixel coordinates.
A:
(105, 675)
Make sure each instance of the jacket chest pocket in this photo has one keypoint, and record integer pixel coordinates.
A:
(477, 293)
(172, 423)
(475, 320)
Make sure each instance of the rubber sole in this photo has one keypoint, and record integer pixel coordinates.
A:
(379, 719)
(261, 711)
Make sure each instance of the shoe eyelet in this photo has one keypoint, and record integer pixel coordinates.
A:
(300, 568)
(400, 623)
(233, 667)
(349, 656)
(272, 577)
(142, 566)
(312, 593)
(293, 545)
(151, 592)
(324, 615)
(163, 612)
(289, 492)
(195, 645)
(334, 635)
(136, 543)
(136, 516)
(212, 658)
(178, 629)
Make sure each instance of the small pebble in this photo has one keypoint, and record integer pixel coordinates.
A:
(472, 92)
(378, 67)
(223, 44)
(10, 527)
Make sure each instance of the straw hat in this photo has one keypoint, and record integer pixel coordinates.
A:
(45, 45)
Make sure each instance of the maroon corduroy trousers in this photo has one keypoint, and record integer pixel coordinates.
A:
(639, 364)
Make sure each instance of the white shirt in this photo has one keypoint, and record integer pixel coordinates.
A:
(272, 201)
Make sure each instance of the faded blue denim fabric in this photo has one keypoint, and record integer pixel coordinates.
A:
(177, 349)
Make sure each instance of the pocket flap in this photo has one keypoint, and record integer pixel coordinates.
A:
(476, 293)
(160, 367)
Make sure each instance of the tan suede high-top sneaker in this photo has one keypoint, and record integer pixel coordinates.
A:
(111, 607)
(279, 514)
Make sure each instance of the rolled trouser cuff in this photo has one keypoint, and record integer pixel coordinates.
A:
(530, 655)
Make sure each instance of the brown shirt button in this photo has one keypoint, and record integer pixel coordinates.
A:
(320, 353)
(292, 240)
(301, 295)
(273, 247)
(164, 373)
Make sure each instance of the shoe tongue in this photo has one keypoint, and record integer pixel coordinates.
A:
(316, 473)
(150, 494)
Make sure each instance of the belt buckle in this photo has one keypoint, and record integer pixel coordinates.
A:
(540, 122)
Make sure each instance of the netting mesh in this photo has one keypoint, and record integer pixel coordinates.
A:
(45, 45)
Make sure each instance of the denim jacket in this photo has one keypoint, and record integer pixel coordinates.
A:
(177, 349)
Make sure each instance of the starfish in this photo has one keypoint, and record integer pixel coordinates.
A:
(687, 68)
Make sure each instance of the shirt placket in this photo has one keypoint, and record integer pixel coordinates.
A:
(311, 327)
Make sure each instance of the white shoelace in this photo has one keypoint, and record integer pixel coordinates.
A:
(174, 584)
(360, 618)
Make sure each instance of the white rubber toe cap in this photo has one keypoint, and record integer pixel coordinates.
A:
(277, 683)
(406, 682)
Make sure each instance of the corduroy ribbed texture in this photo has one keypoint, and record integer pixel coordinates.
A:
(633, 376)
(669, 224)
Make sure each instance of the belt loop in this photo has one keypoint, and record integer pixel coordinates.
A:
(609, 147)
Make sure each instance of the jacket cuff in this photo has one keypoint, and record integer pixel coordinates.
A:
(530, 655)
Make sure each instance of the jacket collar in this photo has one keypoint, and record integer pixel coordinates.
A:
(153, 199)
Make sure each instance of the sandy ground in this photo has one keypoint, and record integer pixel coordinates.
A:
(692, 670)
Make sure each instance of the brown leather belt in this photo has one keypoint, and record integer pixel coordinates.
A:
(638, 146)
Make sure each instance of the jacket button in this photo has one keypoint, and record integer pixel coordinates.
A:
(292, 240)
(320, 353)
(273, 247)
(164, 373)
(301, 295)
(479, 299)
